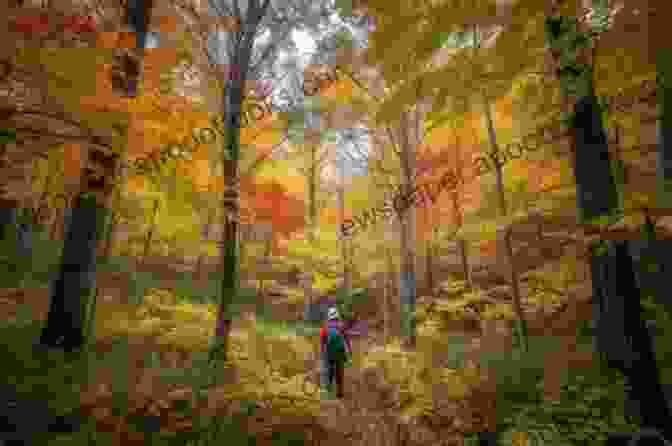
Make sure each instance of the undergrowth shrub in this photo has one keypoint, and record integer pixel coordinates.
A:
(35, 269)
(422, 388)
(591, 403)
(274, 374)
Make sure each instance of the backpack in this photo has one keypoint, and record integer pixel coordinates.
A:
(335, 344)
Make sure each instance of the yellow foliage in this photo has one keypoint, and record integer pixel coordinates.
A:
(324, 283)
(498, 311)
(416, 379)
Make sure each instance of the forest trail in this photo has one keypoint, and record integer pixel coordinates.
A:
(369, 410)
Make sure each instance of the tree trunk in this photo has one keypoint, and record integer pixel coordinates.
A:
(310, 312)
(150, 232)
(233, 98)
(595, 183)
(664, 128)
(74, 286)
(207, 228)
(347, 279)
(513, 276)
(266, 262)
(111, 232)
(55, 225)
(389, 294)
(22, 249)
(8, 206)
(407, 279)
(429, 265)
(522, 331)
(494, 156)
(312, 179)
(596, 192)
(464, 256)
(488, 439)
(622, 336)
(73, 289)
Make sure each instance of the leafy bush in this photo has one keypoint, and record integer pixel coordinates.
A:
(57, 378)
(36, 269)
(591, 403)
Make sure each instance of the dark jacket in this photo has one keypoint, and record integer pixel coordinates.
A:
(341, 327)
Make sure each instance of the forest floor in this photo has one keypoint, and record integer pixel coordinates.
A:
(285, 397)
(274, 364)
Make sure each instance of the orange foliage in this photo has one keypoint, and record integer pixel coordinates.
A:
(271, 202)
(331, 215)
(448, 150)
(72, 162)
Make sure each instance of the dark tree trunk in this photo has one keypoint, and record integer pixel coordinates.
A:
(72, 289)
(233, 98)
(622, 336)
(487, 439)
(665, 129)
(72, 292)
(596, 193)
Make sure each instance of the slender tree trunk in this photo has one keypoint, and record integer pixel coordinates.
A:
(41, 209)
(386, 309)
(111, 232)
(113, 223)
(233, 98)
(664, 126)
(345, 242)
(459, 221)
(150, 232)
(513, 271)
(206, 236)
(306, 281)
(464, 256)
(494, 155)
(8, 206)
(313, 185)
(312, 214)
(208, 225)
(429, 253)
(407, 279)
(388, 294)
(266, 262)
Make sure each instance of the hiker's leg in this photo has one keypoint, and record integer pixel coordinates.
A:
(324, 373)
(339, 379)
(331, 367)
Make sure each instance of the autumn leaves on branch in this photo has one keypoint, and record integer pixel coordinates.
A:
(483, 165)
(253, 111)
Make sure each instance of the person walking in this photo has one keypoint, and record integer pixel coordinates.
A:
(336, 350)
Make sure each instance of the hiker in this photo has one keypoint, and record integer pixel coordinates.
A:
(336, 350)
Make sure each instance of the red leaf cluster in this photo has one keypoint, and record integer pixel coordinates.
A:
(79, 24)
(39, 23)
(271, 202)
(36, 23)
